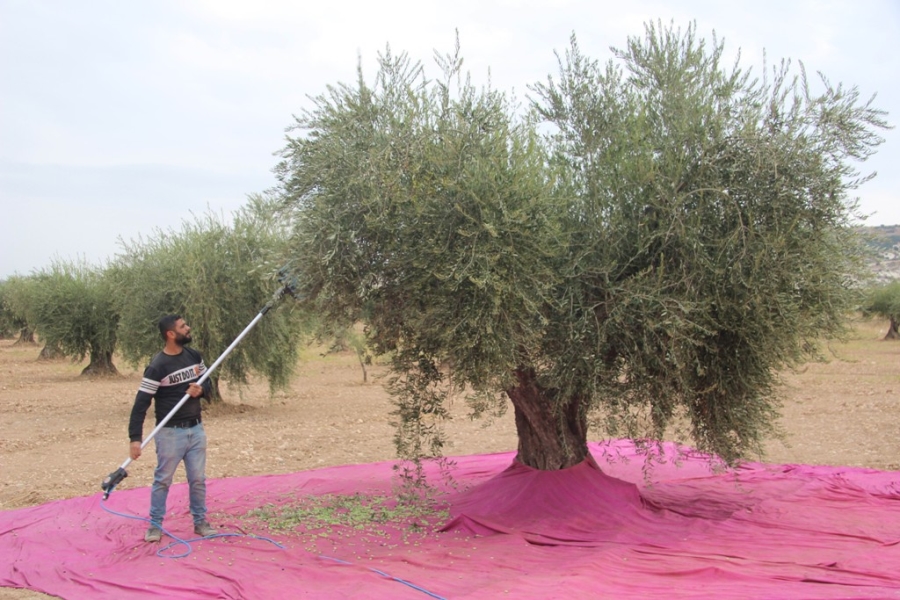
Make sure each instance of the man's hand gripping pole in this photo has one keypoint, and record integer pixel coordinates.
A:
(289, 288)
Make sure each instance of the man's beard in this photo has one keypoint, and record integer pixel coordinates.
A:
(181, 340)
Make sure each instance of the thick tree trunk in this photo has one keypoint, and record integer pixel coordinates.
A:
(101, 365)
(892, 333)
(26, 336)
(362, 363)
(551, 436)
(50, 352)
(215, 395)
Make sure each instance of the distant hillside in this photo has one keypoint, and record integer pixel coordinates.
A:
(885, 243)
(884, 236)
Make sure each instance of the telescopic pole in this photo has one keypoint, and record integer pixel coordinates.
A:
(114, 478)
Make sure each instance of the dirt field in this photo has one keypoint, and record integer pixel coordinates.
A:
(61, 434)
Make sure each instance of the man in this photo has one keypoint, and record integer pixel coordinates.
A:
(171, 374)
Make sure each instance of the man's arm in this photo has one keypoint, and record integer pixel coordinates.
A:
(145, 393)
(207, 385)
(136, 423)
(138, 414)
(207, 388)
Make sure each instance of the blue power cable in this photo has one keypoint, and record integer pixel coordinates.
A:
(383, 574)
(187, 543)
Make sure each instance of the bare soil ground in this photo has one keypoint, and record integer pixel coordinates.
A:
(61, 434)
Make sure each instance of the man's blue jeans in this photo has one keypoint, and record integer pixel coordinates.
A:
(172, 446)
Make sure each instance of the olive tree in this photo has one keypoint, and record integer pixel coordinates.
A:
(217, 273)
(17, 306)
(680, 235)
(10, 324)
(884, 301)
(17, 313)
(74, 313)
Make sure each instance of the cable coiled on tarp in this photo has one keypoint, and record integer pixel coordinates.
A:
(180, 542)
(188, 548)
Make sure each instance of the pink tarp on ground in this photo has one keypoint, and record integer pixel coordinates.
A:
(764, 531)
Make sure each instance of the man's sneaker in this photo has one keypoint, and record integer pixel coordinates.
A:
(204, 529)
(154, 534)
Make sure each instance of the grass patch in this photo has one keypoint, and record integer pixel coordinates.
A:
(332, 517)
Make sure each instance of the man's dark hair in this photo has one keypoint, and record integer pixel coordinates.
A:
(166, 324)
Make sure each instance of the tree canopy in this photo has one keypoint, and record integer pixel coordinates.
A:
(409, 201)
(653, 240)
(217, 274)
(712, 229)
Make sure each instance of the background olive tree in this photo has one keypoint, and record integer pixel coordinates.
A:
(17, 305)
(884, 301)
(10, 322)
(681, 234)
(9, 327)
(75, 313)
(217, 273)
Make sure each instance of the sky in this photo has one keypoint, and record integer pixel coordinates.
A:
(118, 119)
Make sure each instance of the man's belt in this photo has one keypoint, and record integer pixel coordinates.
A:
(184, 424)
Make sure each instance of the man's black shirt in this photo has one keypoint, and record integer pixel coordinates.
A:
(166, 379)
